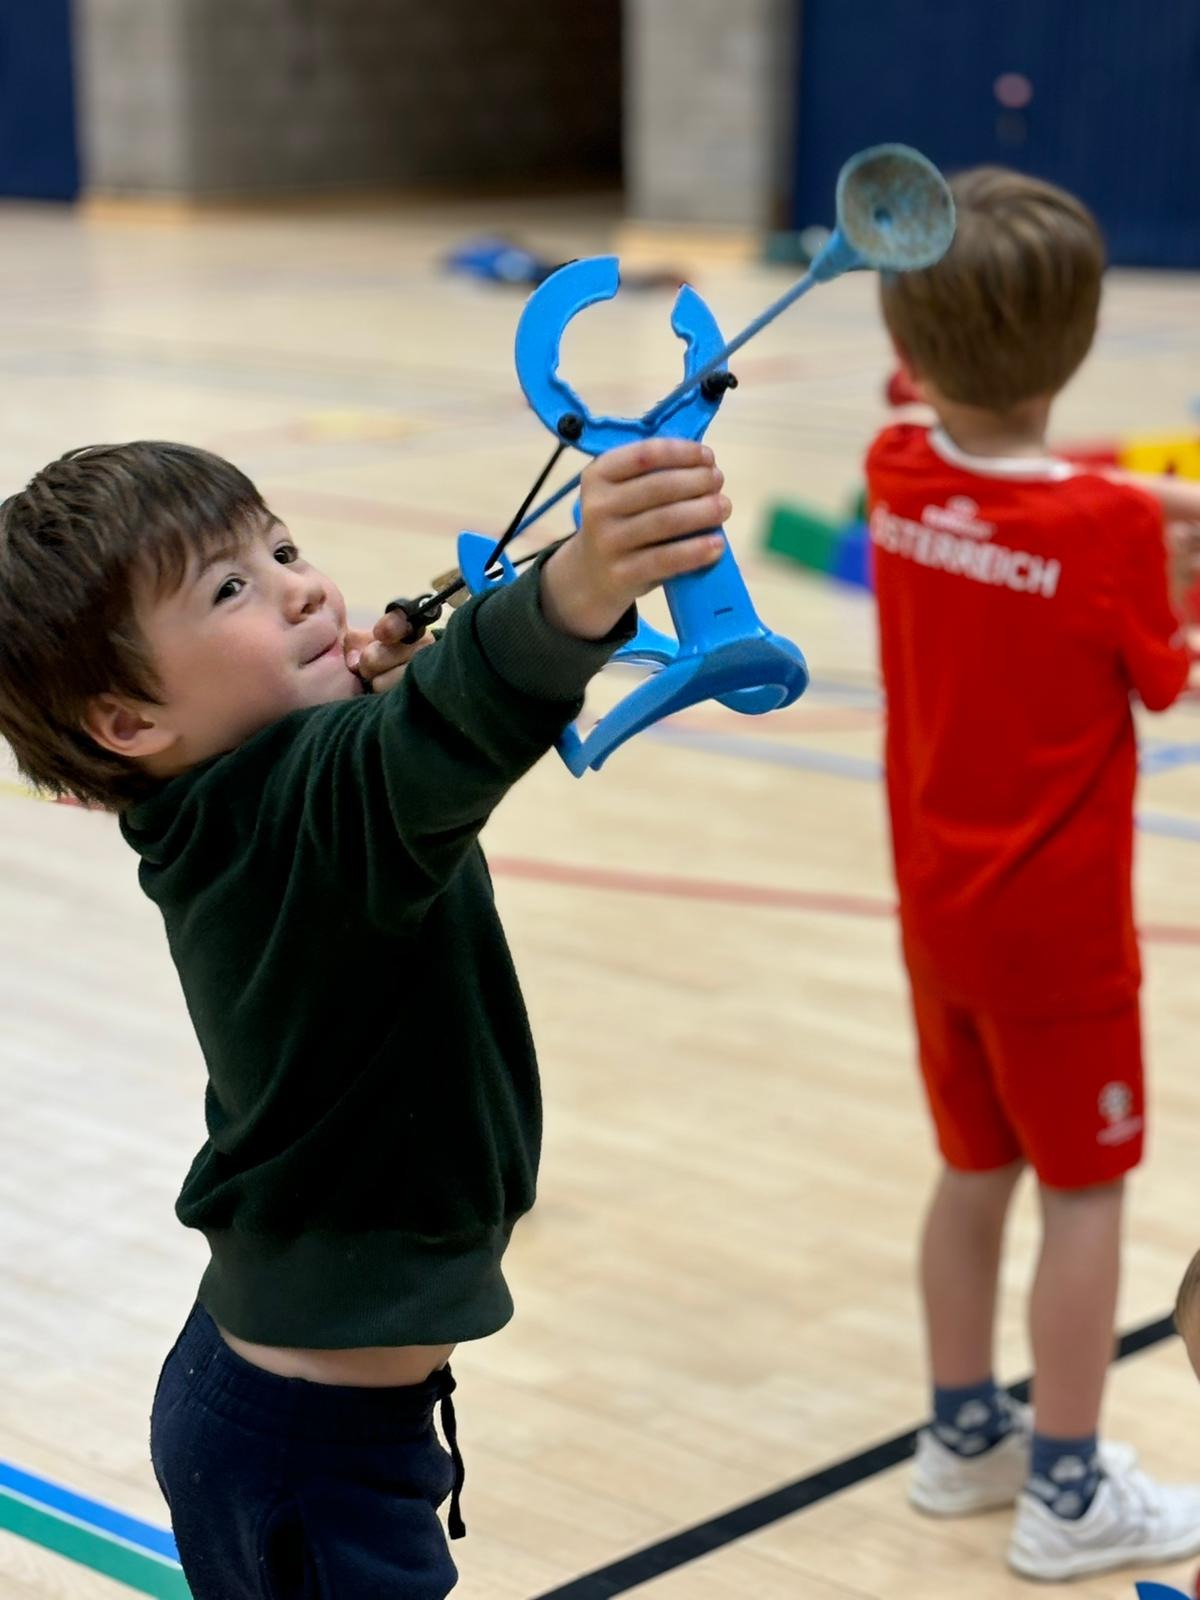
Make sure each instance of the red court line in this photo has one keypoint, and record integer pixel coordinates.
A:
(677, 888)
(773, 368)
(1166, 933)
(717, 891)
(745, 894)
(397, 519)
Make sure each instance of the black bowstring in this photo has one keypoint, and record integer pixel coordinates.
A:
(428, 608)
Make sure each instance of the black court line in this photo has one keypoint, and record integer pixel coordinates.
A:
(681, 1548)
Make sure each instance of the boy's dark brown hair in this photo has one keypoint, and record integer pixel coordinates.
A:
(1009, 311)
(74, 546)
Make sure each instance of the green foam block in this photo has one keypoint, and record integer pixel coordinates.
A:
(804, 535)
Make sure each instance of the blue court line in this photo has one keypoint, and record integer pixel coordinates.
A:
(92, 1513)
(864, 769)
(1154, 757)
(769, 751)
(1167, 826)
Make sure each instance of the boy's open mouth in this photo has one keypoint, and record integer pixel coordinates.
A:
(325, 650)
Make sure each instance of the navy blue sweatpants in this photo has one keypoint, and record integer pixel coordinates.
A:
(285, 1490)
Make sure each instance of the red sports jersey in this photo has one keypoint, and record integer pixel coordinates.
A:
(1020, 602)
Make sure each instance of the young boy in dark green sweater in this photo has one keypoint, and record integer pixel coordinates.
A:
(372, 1107)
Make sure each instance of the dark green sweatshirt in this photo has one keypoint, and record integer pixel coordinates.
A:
(373, 1110)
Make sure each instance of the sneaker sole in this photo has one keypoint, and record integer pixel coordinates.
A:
(1089, 1562)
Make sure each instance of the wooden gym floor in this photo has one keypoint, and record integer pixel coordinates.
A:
(715, 1295)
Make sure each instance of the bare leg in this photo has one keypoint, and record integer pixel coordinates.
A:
(1073, 1307)
(960, 1265)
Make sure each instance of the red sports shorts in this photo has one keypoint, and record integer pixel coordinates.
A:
(1064, 1094)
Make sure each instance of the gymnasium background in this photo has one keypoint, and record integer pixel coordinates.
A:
(735, 113)
(705, 929)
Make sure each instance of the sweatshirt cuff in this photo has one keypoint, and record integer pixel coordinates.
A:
(532, 655)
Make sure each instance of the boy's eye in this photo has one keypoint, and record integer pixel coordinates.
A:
(285, 554)
(228, 589)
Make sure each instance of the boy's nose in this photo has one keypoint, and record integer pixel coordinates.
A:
(306, 593)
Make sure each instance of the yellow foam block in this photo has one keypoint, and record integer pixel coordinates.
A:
(1179, 455)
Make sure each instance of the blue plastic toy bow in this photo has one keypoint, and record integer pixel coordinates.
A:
(722, 650)
(895, 213)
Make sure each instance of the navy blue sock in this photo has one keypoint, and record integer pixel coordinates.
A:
(972, 1419)
(1065, 1474)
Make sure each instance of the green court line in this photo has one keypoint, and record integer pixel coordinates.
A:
(103, 1553)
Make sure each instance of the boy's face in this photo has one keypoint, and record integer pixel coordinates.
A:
(253, 633)
(1189, 1328)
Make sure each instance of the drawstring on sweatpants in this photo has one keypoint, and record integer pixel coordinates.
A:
(446, 1387)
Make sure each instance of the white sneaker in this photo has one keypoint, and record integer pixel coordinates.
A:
(1131, 1521)
(947, 1484)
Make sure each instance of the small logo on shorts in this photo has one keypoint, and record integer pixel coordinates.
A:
(1116, 1102)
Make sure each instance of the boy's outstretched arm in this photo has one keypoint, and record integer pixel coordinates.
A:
(1179, 499)
(398, 791)
(1151, 637)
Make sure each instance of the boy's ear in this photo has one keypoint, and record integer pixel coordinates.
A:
(910, 386)
(906, 362)
(123, 727)
(903, 357)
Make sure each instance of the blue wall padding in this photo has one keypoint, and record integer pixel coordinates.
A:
(38, 148)
(1113, 112)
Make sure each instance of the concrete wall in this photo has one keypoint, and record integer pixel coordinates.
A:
(240, 97)
(235, 97)
(709, 87)
(131, 84)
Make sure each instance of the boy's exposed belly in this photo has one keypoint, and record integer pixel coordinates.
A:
(376, 1367)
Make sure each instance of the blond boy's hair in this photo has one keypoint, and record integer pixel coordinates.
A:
(1010, 311)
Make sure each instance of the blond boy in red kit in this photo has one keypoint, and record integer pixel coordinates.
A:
(1023, 603)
